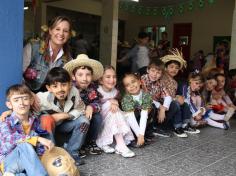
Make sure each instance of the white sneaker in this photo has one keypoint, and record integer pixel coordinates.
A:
(126, 153)
(108, 149)
(229, 114)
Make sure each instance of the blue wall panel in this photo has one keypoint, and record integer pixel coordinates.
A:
(11, 43)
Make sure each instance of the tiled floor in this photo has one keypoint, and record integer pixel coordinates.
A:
(211, 153)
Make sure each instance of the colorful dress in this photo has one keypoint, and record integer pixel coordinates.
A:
(114, 123)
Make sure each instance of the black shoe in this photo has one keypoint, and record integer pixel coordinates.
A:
(93, 149)
(134, 144)
(191, 130)
(161, 133)
(180, 132)
(83, 153)
(148, 141)
(78, 160)
(226, 125)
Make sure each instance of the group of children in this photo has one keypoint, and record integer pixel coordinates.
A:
(82, 101)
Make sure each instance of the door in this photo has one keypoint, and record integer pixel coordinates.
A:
(182, 38)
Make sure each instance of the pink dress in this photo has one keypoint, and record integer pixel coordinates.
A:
(113, 123)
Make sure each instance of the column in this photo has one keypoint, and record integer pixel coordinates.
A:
(11, 36)
(232, 62)
(109, 32)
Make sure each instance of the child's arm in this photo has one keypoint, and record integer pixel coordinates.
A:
(46, 142)
(61, 116)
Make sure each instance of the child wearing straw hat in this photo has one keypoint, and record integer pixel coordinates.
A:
(174, 62)
(84, 72)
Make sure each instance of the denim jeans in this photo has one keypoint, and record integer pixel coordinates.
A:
(78, 129)
(175, 116)
(182, 114)
(95, 127)
(23, 161)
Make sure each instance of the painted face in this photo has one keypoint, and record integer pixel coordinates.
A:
(60, 33)
(20, 104)
(220, 82)
(132, 85)
(211, 84)
(195, 85)
(154, 74)
(172, 69)
(108, 80)
(59, 90)
(83, 78)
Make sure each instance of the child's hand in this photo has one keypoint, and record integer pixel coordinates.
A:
(4, 115)
(197, 117)
(114, 105)
(89, 112)
(46, 142)
(140, 140)
(114, 108)
(161, 115)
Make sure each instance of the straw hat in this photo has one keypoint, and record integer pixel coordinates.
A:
(84, 60)
(175, 55)
(58, 162)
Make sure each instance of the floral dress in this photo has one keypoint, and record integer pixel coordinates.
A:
(114, 123)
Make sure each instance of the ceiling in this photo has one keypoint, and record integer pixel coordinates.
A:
(148, 3)
(157, 3)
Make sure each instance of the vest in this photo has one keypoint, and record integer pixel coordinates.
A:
(41, 67)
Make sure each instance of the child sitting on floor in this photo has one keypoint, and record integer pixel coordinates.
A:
(115, 125)
(84, 71)
(137, 104)
(174, 62)
(63, 111)
(191, 93)
(19, 133)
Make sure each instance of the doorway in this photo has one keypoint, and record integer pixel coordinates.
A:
(182, 38)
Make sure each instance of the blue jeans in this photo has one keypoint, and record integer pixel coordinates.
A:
(95, 127)
(23, 161)
(78, 129)
(181, 114)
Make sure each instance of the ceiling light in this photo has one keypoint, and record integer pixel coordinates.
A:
(135, 0)
(26, 8)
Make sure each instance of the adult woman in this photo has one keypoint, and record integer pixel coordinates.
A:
(42, 55)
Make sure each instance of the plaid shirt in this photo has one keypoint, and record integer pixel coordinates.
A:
(91, 96)
(156, 88)
(170, 84)
(12, 133)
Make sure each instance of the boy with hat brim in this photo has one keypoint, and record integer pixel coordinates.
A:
(84, 71)
(174, 62)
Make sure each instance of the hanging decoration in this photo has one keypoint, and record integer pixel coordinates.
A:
(211, 1)
(201, 3)
(190, 5)
(165, 11)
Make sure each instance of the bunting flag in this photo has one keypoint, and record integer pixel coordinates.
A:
(165, 11)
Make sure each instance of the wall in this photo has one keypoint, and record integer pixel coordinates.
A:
(11, 36)
(213, 20)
